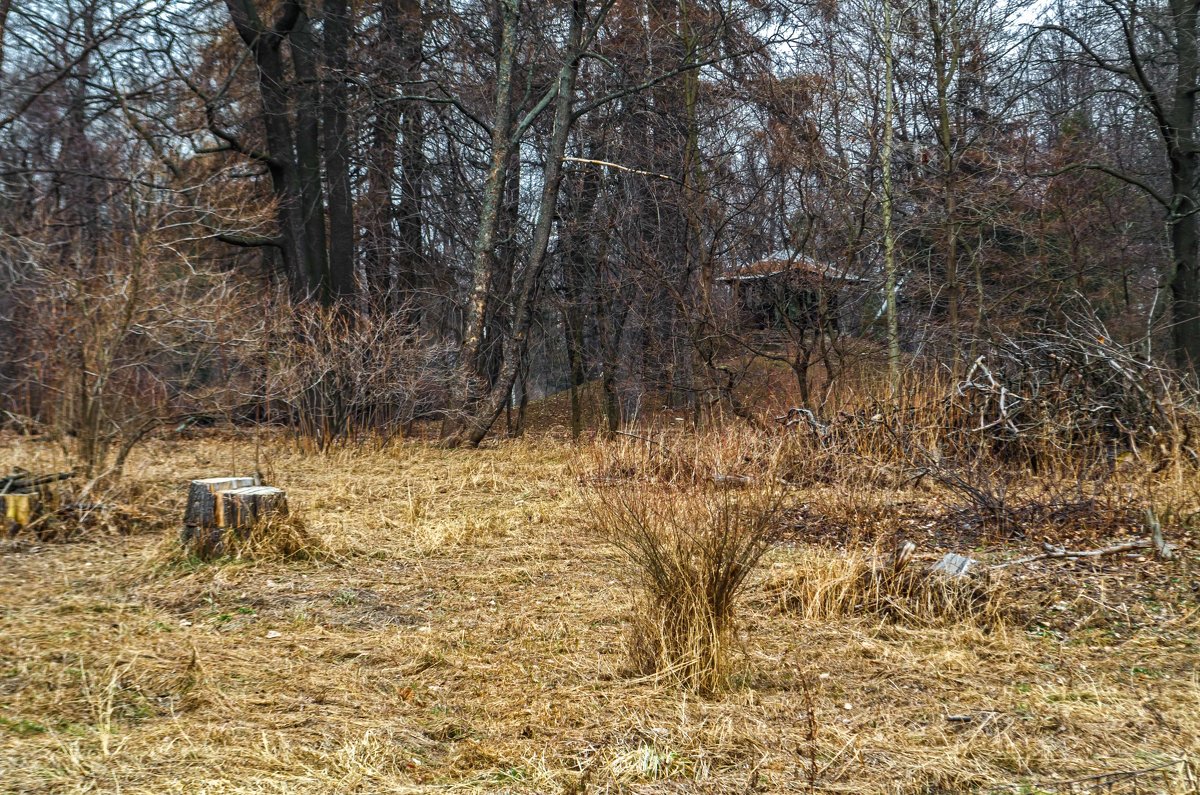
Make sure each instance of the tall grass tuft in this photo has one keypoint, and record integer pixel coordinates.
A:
(689, 553)
(279, 537)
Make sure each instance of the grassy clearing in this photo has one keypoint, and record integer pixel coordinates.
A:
(464, 630)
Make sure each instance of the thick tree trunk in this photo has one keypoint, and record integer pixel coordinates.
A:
(265, 44)
(1185, 171)
(1185, 282)
(338, 25)
(308, 158)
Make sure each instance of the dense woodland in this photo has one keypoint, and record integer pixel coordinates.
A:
(347, 215)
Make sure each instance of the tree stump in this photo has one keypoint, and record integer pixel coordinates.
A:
(20, 509)
(240, 508)
(200, 518)
(218, 507)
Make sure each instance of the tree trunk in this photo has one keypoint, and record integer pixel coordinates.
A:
(265, 44)
(889, 237)
(576, 257)
(308, 158)
(573, 319)
(610, 324)
(5, 8)
(945, 63)
(1185, 236)
(412, 267)
(380, 249)
(338, 25)
(1185, 282)
(515, 346)
(483, 270)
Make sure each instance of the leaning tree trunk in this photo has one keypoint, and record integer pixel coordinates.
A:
(484, 416)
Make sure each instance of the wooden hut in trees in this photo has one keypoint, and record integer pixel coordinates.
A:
(788, 293)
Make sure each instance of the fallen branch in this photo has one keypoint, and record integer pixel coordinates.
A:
(24, 481)
(796, 416)
(1165, 551)
(731, 481)
(1053, 551)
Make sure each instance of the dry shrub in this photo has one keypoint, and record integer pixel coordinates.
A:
(1032, 404)
(731, 455)
(66, 512)
(1077, 389)
(869, 433)
(276, 537)
(111, 347)
(91, 521)
(826, 585)
(689, 553)
(365, 378)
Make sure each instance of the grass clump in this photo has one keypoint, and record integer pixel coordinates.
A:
(689, 554)
(828, 585)
(274, 537)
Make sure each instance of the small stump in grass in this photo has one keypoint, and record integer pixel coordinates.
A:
(219, 509)
(20, 509)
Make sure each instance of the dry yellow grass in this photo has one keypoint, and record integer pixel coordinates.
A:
(464, 632)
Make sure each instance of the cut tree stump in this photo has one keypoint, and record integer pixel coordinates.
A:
(239, 508)
(201, 510)
(20, 509)
(203, 518)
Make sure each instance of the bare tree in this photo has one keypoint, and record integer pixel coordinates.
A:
(1150, 50)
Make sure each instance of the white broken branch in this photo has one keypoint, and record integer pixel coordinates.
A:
(1053, 551)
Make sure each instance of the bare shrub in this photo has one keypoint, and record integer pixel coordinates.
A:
(347, 379)
(689, 553)
(118, 344)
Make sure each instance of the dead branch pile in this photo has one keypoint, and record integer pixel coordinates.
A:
(1075, 388)
(1037, 397)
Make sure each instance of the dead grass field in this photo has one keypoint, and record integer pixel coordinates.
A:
(463, 630)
